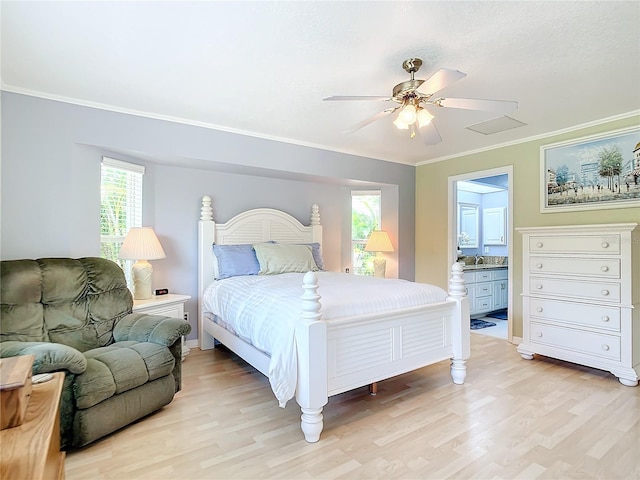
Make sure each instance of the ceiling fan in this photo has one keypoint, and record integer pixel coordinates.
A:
(413, 96)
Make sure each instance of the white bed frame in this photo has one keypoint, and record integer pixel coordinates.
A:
(336, 356)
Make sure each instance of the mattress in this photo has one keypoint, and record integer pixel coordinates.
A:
(263, 310)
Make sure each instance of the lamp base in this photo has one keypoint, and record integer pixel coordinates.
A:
(379, 267)
(141, 273)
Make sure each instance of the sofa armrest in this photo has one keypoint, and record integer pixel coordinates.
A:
(158, 329)
(50, 357)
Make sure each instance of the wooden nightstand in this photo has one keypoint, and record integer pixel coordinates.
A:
(170, 305)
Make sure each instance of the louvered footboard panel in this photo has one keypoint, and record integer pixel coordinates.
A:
(362, 353)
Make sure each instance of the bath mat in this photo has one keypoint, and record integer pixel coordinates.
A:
(499, 314)
(477, 324)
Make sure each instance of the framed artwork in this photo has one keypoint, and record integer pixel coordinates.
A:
(595, 172)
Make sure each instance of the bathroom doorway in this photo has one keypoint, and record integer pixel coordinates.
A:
(481, 237)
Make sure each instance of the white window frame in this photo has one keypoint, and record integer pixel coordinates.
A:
(362, 262)
(133, 207)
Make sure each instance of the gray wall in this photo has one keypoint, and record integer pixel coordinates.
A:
(51, 153)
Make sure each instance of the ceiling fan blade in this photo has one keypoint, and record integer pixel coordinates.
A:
(429, 134)
(356, 97)
(369, 120)
(442, 78)
(498, 106)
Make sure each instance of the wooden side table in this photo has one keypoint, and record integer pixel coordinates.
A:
(170, 305)
(32, 450)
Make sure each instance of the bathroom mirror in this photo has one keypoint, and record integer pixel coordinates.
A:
(467, 225)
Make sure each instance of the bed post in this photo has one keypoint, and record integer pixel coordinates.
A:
(316, 227)
(206, 232)
(461, 324)
(311, 345)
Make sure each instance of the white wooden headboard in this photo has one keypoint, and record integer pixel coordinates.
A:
(252, 226)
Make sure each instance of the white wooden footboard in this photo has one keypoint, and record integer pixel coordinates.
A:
(363, 350)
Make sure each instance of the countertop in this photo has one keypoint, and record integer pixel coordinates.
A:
(483, 266)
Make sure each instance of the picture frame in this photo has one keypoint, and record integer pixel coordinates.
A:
(593, 172)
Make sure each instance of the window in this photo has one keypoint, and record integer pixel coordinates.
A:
(365, 218)
(120, 207)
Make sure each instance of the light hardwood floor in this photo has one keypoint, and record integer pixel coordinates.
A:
(512, 419)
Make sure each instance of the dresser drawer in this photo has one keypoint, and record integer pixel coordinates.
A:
(484, 276)
(600, 345)
(484, 290)
(575, 244)
(484, 304)
(595, 267)
(571, 313)
(601, 291)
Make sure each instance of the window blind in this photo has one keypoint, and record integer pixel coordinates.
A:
(120, 205)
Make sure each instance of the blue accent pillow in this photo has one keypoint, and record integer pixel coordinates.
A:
(234, 260)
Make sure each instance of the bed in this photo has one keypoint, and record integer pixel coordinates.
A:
(331, 355)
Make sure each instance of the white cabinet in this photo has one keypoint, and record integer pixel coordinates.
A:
(467, 225)
(487, 289)
(500, 293)
(494, 222)
(580, 285)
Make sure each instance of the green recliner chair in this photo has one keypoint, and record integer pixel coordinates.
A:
(75, 316)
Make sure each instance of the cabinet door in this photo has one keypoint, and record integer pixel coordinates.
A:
(500, 297)
(494, 226)
(471, 295)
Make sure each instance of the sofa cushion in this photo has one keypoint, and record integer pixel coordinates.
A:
(118, 368)
(49, 357)
(75, 302)
(21, 293)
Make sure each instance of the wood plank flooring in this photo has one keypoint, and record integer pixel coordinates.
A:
(512, 419)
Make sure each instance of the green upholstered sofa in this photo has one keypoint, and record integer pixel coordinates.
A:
(75, 316)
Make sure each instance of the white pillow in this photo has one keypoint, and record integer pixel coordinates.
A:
(283, 258)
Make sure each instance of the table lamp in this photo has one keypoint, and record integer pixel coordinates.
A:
(379, 242)
(141, 244)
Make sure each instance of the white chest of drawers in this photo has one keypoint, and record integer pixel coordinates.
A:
(581, 296)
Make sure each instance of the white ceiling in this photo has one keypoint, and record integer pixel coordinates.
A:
(262, 68)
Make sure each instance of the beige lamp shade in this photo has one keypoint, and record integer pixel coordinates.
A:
(379, 242)
(141, 244)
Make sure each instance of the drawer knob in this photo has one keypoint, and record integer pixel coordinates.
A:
(539, 309)
(605, 347)
(604, 268)
(605, 244)
(538, 334)
(538, 265)
(605, 292)
(539, 286)
(605, 318)
(539, 244)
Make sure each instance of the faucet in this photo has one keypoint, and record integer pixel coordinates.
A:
(479, 259)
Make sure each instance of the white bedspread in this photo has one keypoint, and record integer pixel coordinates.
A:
(264, 310)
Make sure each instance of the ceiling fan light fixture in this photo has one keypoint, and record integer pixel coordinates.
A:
(413, 96)
(424, 117)
(400, 124)
(408, 114)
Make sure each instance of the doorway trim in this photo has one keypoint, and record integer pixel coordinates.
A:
(453, 222)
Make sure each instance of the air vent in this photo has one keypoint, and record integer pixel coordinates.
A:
(496, 125)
